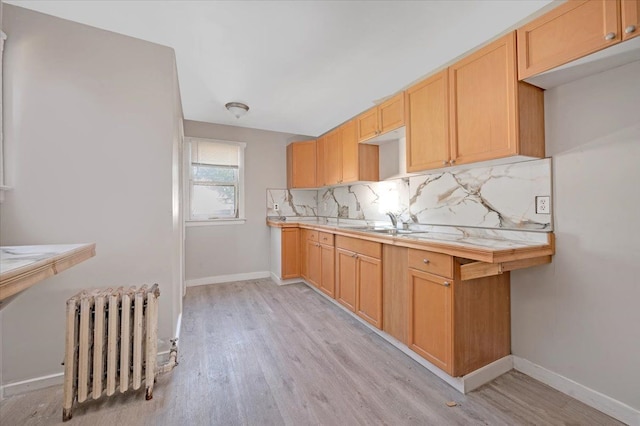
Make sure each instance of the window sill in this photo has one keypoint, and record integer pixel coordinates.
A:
(217, 222)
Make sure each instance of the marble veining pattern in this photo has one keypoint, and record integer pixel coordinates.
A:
(292, 202)
(498, 197)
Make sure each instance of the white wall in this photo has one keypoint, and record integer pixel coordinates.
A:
(580, 316)
(91, 136)
(213, 251)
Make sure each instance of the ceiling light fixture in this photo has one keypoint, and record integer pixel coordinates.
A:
(236, 108)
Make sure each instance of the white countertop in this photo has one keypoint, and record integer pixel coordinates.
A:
(23, 266)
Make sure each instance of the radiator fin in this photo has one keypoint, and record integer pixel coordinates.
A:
(110, 343)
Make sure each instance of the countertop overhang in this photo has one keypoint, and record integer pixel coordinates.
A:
(23, 266)
(494, 251)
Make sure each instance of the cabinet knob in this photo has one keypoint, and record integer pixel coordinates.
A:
(610, 36)
(425, 261)
(445, 162)
(446, 283)
(452, 162)
(630, 29)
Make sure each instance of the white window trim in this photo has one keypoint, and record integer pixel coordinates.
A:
(187, 193)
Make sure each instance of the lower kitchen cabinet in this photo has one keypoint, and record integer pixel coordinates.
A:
(327, 264)
(319, 260)
(290, 253)
(430, 300)
(347, 277)
(313, 255)
(457, 325)
(359, 278)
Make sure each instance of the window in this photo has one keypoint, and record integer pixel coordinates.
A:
(216, 178)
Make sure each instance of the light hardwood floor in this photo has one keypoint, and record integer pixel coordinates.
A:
(253, 353)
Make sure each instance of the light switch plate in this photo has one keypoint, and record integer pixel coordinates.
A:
(543, 204)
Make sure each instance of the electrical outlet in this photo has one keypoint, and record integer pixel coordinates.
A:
(276, 206)
(543, 204)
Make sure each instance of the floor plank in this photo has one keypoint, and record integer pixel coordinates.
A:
(253, 353)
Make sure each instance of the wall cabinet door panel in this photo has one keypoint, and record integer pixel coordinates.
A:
(333, 158)
(391, 114)
(484, 103)
(428, 123)
(568, 32)
(301, 164)
(350, 150)
(367, 124)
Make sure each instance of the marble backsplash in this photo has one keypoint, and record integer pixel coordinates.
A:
(496, 197)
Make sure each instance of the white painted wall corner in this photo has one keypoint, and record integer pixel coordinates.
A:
(595, 399)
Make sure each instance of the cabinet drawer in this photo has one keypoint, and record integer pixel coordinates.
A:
(428, 261)
(312, 235)
(325, 238)
(368, 248)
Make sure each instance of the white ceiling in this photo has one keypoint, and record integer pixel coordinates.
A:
(302, 66)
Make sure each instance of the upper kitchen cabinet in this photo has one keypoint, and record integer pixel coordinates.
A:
(428, 123)
(333, 157)
(347, 161)
(570, 31)
(491, 114)
(630, 18)
(359, 162)
(301, 164)
(384, 118)
(320, 180)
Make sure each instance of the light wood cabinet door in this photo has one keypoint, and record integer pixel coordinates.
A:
(367, 124)
(314, 273)
(303, 253)
(301, 164)
(570, 31)
(630, 19)
(384, 118)
(428, 123)
(320, 162)
(350, 157)
(333, 157)
(395, 291)
(391, 114)
(327, 270)
(290, 253)
(430, 318)
(369, 301)
(483, 103)
(346, 278)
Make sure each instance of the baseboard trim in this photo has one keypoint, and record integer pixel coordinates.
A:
(462, 384)
(278, 281)
(218, 279)
(17, 388)
(612, 407)
(36, 383)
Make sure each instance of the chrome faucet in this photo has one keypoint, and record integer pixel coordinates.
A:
(394, 219)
